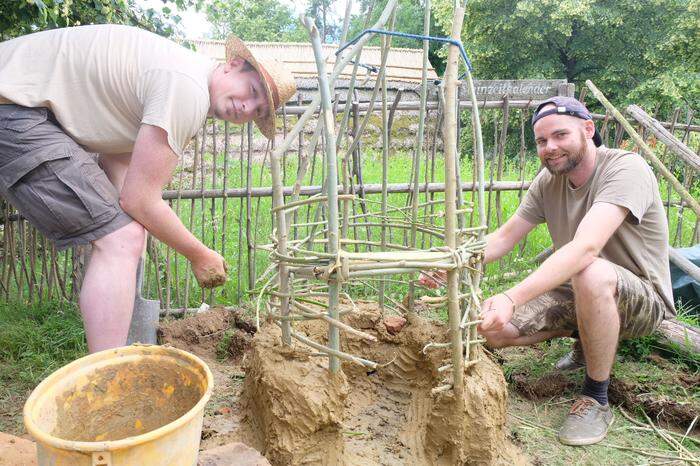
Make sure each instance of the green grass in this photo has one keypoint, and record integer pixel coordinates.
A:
(206, 220)
(534, 421)
(534, 431)
(35, 340)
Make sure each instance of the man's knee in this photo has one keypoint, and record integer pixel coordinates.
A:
(127, 241)
(597, 280)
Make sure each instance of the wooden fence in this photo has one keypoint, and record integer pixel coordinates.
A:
(221, 190)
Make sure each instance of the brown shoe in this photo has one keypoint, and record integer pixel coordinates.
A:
(587, 422)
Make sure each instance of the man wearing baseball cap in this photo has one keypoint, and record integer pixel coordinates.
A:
(137, 99)
(608, 278)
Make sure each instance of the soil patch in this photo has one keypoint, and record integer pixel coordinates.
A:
(665, 391)
(222, 331)
(298, 413)
(547, 386)
(658, 407)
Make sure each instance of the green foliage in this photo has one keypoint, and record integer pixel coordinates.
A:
(640, 348)
(409, 18)
(26, 16)
(36, 340)
(645, 52)
(222, 348)
(321, 11)
(255, 20)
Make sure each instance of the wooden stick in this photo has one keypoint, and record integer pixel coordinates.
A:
(371, 188)
(674, 144)
(308, 312)
(646, 151)
(450, 145)
(332, 184)
(335, 353)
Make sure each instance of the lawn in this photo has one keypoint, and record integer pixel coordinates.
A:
(38, 338)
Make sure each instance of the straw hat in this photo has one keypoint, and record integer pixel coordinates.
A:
(279, 82)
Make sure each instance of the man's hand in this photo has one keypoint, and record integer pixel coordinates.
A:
(210, 269)
(496, 312)
(433, 279)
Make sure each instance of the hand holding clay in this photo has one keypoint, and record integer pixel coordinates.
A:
(496, 311)
(210, 270)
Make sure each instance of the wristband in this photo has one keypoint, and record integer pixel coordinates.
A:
(509, 298)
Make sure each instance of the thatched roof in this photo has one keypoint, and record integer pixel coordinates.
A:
(402, 64)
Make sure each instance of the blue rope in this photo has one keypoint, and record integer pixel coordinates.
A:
(412, 36)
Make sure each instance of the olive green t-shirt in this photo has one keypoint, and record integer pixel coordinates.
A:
(622, 178)
(103, 81)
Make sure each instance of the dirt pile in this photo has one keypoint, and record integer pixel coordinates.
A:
(220, 331)
(292, 404)
(303, 415)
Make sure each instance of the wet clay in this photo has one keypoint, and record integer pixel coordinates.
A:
(127, 399)
(303, 415)
(211, 278)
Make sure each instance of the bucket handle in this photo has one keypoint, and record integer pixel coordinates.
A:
(101, 458)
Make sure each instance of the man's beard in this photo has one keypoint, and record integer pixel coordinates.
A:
(573, 158)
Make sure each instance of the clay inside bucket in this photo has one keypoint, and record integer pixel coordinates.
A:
(126, 399)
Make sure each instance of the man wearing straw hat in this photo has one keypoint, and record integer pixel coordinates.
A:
(608, 278)
(137, 99)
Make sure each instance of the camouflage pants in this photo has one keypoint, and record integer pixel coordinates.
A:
(640, 306)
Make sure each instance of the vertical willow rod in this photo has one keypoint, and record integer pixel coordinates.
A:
(248, 207)
(281, 230)
(337, 70)
(385, 156)
(450, 142)
(331, 189)
(479, 161)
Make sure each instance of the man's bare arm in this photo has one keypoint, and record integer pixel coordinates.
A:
(503, 240)
(151, 168)
(498, 244)
(594, 231)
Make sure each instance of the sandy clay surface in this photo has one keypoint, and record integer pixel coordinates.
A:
(284, 402)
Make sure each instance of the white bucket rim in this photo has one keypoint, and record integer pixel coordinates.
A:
(111, 445)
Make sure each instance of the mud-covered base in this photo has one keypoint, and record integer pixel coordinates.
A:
(301, 414)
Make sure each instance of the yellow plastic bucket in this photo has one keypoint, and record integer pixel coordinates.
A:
(140, 405)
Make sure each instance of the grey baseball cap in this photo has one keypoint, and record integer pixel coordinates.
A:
(566, 106)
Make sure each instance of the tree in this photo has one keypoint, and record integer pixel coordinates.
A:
(27, 16)
(627, 47)
(255, 20)
(409, 19)
(321, 11)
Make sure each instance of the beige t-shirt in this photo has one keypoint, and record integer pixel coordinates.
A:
(622, 178)
(102, 82)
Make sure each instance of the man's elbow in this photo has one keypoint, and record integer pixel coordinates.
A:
(132, 205)
(589, 252)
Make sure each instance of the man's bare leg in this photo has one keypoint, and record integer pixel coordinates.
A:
(107, 295)
(598, 319)
(598, 322)
(510, 336)
(107, 325)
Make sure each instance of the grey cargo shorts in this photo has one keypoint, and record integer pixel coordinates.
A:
(52, 181)
(641, 308)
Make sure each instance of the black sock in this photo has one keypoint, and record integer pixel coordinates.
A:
(596, 390)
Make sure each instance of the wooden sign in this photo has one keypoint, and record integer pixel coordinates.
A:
(517, 89)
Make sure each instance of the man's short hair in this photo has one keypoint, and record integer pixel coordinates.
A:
(565, 106)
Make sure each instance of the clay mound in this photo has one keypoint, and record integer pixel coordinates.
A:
(303, 415)
(203, 332)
